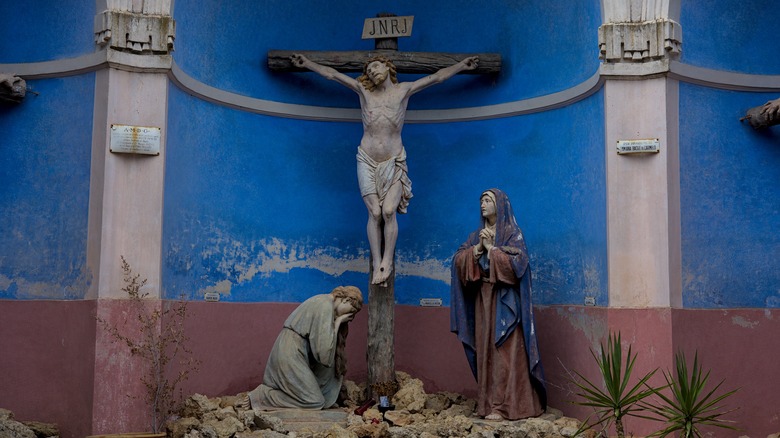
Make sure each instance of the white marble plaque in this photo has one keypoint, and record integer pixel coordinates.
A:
(645, 146)
(430, 302)
(387, 27)
(211, 296)
(126, 139)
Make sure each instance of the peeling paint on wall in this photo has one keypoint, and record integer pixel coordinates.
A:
(593, 329)
(223, 262)
(62, 288)
(276, 257)
(743, 322)
(578, 278)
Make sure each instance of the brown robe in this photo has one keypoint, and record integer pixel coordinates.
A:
(503, 380)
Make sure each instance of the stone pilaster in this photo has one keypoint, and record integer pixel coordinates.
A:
(643, 189)
(126, 193)
(641, 102)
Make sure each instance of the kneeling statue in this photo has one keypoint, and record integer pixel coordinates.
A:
(307, 362)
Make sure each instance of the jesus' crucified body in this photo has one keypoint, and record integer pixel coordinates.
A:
(381, 158)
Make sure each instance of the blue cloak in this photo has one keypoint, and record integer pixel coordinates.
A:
(514, 305)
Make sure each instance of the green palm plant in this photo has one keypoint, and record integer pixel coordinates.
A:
(689, 406)
(616, 400)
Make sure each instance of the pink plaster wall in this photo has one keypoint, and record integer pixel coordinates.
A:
(233, 341)
(47, 351)
(119, 395)
(738, 345)
(741, 346)
(48, 360)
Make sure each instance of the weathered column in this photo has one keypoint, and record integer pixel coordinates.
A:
(126, 191)
(637, 41)
(643, 190)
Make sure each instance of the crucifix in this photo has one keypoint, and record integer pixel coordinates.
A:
(381, 157)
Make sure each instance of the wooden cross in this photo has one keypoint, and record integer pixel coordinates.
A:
(385, 30)
(385, 45)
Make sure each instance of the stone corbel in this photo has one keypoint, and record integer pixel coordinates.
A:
(12, 88)
(135, 33)
(640, 42)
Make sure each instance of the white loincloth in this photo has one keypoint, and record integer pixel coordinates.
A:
(377, 178)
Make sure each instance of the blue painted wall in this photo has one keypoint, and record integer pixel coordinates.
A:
(731, 35)
(45, 30)
(528, 35)
(730, 174)
(730, 193)
(267, 209)
(44, 190)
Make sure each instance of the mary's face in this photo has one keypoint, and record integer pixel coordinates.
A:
(488, 207)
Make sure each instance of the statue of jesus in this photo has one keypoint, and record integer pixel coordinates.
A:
(381, 157)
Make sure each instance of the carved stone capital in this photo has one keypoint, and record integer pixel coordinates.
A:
(640, 42)
(136, 33)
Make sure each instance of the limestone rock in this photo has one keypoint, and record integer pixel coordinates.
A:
(267, 422)
(29, 429)
(372, 414)
(564, 422)
(182, 426)
(401, 432)
(260, 434)
(538, 428)
(455, 426)
(255, 434)
(208, 431)
(479, 432)
(354, 392)
(557, 413)
(337, 431)
(231, 400)
(226, 412)
(197, 406)
(399, 418)
(224, 428)
(11, 428)
(568, 431)
(411, 396)
(442, 414)
(43, 430)
(438, 402)
(371, 430)
(510, 431)
(466, 409)
(354, 420)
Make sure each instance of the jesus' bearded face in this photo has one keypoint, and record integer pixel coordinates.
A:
(377, 71)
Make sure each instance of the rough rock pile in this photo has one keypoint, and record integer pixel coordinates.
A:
(416, 414)
(10, 428)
